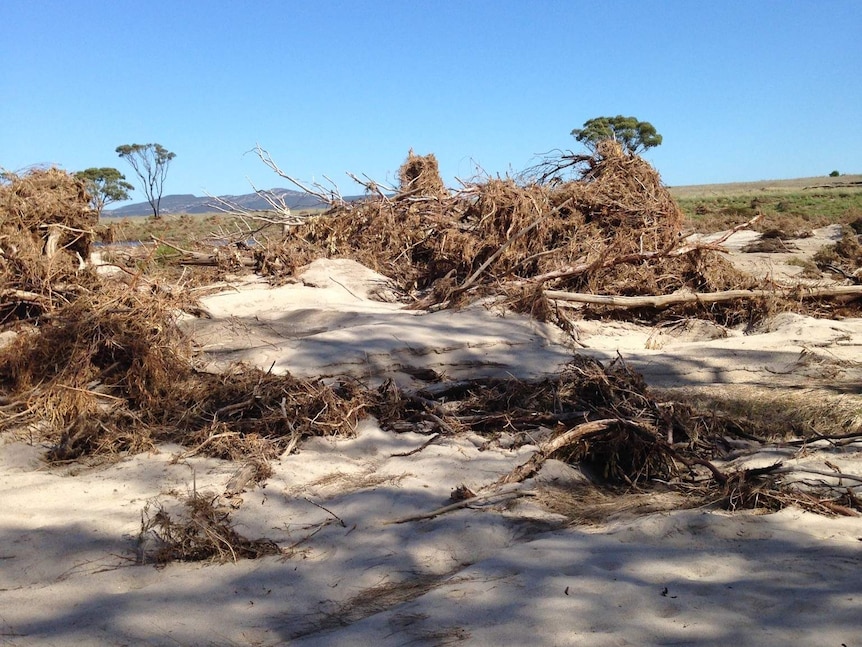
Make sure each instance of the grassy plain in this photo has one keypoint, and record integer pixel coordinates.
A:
(790, 205)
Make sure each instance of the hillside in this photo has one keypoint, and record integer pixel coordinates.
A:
(192, 204)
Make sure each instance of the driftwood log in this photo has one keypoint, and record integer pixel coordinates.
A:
(569, 299)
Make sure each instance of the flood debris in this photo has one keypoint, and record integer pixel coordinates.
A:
(97, 367)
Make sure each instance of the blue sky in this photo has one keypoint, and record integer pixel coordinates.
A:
(740, 90)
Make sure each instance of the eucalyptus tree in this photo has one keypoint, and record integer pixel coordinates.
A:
(105, 185)
(150, 162)
(634, 135)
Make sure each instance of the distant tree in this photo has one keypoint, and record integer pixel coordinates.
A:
(150, 162)
(834, 174)
(634, 135)
(105, 186)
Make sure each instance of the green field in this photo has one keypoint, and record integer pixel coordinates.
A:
(791, 205)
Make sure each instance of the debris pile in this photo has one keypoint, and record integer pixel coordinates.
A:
(46, 228)
(98, 367)
(844, 257)
(605, 420)
(613, 230)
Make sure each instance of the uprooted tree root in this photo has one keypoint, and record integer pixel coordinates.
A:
(615, 227)
(606, 421)
(613, 230)
(46, 228)
(499, 230)
(202, 532)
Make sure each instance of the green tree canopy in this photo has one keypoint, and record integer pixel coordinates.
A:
(634, 135)
(105, 185)
(150, 162)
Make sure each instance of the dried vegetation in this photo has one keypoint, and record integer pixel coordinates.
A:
(607, 421)
(202, 531)
(615, 229)
(582, 227)
(97, 367)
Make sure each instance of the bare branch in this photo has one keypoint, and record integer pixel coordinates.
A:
(371, 187)
(278, 214)
(330, 197)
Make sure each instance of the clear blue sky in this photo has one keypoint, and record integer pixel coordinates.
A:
(741, 90)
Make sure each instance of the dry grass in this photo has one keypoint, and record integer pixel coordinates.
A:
(588, 504)
(775, 416)
(794, 206)
(202, 532)
(767, 187)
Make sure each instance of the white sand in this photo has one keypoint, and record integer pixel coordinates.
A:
(500, 575)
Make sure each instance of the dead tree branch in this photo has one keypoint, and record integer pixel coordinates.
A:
(563, 299)
(329, 196)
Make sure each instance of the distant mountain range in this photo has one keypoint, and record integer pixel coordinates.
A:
(188, 203)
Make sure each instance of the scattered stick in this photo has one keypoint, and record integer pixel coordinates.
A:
(278, 214)
(505, 493)
(730, 232)
(171, 245)
(633, 258)
(328, 511)
(24, 296)
(330, 197)
(805, 470)
(241, 478)
(417, 449)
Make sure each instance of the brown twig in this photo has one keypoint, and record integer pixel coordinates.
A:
(506, 493)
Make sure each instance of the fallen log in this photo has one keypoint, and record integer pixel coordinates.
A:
(664, 300)
(188, 257)
(213, 260)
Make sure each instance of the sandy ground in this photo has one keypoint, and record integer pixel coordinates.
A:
(504, 573)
